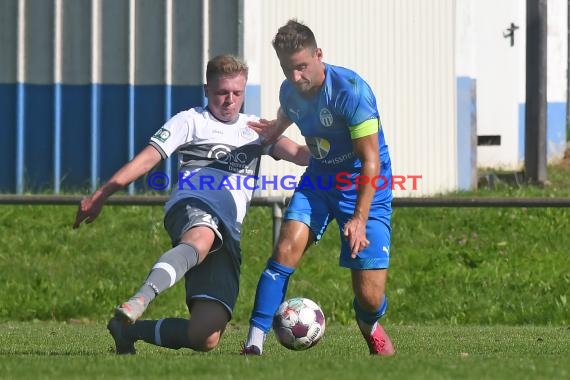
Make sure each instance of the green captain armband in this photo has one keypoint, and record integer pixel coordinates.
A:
(365, 128)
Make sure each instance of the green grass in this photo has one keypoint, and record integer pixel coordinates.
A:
(60, 350)
(474, 293)
(458, 266)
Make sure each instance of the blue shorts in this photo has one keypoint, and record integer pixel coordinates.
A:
(318, 207)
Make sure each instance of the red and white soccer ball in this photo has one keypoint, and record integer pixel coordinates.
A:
(299, 323)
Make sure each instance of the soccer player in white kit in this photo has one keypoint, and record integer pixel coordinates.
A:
(218, 157)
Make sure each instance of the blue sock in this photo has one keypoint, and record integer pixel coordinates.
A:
(368, 317)
(271, 290)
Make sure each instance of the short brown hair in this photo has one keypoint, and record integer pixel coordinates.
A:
(292, 37)
(225, 64)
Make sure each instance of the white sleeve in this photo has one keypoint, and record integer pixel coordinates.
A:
(175, 132)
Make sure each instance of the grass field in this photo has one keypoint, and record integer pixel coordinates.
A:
(474, 293)
(69, 351)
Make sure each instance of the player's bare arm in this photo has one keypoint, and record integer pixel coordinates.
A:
(270, 130)
(91, 206)
(289, 150)
(366, 148)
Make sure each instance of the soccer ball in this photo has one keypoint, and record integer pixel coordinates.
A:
(299, 323)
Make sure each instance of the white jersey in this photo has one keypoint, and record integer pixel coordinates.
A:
(217, 162)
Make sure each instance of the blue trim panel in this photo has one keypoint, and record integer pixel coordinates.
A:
(521, 132)
(185, 97)
(70, 136)
(466, 112)
(75, 136)
(148, 117)
(57, 138)
(113, 131)
(38, 141)
(95, 129)
(131, 133)
(20, 125)
(8, 126)
(252, 104)
(555, 130)
(167, 165)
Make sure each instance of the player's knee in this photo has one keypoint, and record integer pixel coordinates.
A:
(283, 247)
(369, 310)
(367, 306)
(201, 238)
(373, 304)
(207, 343)
(212, 341)
(287, 254)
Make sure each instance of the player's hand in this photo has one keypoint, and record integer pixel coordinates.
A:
(87, 211)
(355, 234)
(266, 129)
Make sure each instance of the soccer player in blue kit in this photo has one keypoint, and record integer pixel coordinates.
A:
(335, 110)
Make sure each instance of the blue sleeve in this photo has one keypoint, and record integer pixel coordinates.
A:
(283, 96)
(358, 103)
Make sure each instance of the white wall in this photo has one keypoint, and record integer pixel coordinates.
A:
(405, 50)
(557, 48)
(499, 74)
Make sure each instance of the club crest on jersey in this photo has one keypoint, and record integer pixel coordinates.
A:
(247, 133)
(326, 117)
(162, 135)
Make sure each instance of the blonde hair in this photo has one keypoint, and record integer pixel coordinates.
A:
(225, 64)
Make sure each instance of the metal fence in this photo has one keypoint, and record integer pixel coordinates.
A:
(278, 203)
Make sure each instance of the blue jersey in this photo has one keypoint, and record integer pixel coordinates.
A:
(344, 101)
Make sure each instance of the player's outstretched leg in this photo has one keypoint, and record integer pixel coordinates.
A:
(123, 345)
(131, 310)
(202, 332)
(168, 270)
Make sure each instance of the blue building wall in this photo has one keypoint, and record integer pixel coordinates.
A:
(466, 133)
(84, 84)
(555, 130)
(65, 137)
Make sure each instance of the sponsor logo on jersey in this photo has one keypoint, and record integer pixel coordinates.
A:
(318, 146)
(223, 154)
(326, 117)
(338, 159)
(162, 135)
(234, 161)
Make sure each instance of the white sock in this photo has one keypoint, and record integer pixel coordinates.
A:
(256, 337)
(366, 328)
